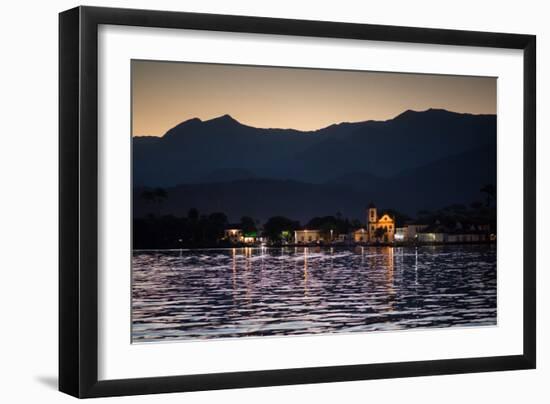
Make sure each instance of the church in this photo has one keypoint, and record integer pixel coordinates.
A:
(379, 229)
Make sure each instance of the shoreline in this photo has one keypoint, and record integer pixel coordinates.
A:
(334, 245)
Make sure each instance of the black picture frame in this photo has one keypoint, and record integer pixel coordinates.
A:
(78, 206)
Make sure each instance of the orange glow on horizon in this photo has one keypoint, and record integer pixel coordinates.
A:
(165, 94)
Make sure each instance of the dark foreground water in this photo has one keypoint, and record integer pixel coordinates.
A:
(246, 292)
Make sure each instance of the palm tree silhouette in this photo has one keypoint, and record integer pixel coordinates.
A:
(491, 191)
(380, 232)
(156, 196)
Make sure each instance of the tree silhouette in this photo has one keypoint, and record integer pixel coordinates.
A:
(276, 225)
(356, 224)
(491, 191)
(248, 225)
(155, 197)
(148, 196)
(380, 232)
(160, 194)
(193, 215)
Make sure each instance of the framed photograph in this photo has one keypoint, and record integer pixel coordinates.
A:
(251, 201)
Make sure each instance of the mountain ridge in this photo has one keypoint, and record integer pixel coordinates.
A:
(444, 182)
(230, 118)
(196, 149)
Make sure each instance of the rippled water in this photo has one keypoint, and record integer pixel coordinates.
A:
(254, 292)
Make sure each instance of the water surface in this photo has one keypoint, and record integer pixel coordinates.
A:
(245, 292)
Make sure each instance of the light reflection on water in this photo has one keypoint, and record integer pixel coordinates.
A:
(291, 291)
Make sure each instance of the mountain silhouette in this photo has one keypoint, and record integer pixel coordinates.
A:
(223, 149)
(453, 180)
(417, 160)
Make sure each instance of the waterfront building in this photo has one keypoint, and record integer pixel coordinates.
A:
(400, 234)
(469, 233)
(341, 238)
(233, 235)
(307, 237)
(412, 230)
(380, 229)
(236, 236)
(435, 233)
(250, 238)
(431, 237)
(361, 236)
(462, 237)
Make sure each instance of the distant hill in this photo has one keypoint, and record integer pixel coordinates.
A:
(418, 160)
(258, 198)
(222, 149)
(455, 179)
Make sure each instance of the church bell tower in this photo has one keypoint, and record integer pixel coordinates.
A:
(372, 215)
(372, 218)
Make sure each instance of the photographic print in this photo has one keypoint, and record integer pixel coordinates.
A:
(282, 201)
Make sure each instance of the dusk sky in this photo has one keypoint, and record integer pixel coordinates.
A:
(167, 93)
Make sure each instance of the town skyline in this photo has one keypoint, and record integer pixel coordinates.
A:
(457, 223)
(165, 94)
